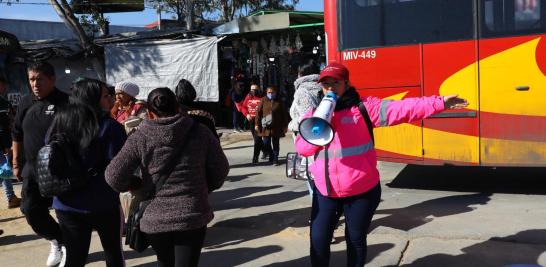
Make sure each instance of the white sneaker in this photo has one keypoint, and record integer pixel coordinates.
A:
(63, 258)
(55, 254)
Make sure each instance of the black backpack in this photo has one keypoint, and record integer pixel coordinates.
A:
(60, 168)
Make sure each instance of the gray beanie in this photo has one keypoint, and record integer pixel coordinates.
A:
(128, 88)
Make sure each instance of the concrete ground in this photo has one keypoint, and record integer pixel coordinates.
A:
(429, 216)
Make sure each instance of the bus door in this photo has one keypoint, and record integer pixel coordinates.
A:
(381, 67)
(512, 82)
(449, 67)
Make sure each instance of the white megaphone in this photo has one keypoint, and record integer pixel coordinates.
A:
(317, 130)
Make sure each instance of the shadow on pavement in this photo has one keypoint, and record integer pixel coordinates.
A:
(413, 216)
(237, 256)
(472, 179)
(11, 218)
(238, 201)
(127, 254)
(7, 239)
(498, 251)
(255, 227)
(337, 257)
(237, 178)
(219, 197)
(236, 147)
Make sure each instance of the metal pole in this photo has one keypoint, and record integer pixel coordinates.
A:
(158, 17)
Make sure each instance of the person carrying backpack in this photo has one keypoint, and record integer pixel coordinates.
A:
(95, 138)
(345, 172)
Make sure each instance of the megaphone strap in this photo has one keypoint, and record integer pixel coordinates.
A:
(367, 119)
(326, 173)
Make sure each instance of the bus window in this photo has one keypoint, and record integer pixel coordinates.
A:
(372, 23)
(513, 17)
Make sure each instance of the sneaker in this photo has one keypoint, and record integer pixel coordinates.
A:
(55, 254)
(1, 231)
(63, 258)
(14, 202)
(264, 156)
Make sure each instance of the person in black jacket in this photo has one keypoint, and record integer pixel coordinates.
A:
(34, 115)
(185, 94)
(5, 141)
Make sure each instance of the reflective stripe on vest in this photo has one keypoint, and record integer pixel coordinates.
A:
(383, 112)
(348, 151)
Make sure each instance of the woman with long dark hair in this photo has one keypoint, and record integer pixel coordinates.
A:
(97, 138)
(189, 158)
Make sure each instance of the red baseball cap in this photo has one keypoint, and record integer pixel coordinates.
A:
(336, 71)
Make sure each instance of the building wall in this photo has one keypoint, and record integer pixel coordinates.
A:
(41, 30)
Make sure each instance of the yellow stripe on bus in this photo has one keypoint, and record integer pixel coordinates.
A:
(500, 75)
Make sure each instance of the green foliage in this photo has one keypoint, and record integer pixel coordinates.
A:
(93, 22)
(219, 10)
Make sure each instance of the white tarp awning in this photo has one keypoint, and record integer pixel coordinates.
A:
(153, 64)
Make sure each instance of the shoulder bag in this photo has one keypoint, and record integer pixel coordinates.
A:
(134, 237)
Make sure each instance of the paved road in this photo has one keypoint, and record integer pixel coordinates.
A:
(429, 216)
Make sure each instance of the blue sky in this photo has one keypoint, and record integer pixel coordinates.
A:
(41, 10)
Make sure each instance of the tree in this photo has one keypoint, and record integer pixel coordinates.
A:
(256, 5)
(67, 15)
(184, 10)
(231, 8)
(63, 9)
(223, 10)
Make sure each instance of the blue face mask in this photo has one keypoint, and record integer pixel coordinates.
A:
(271, 95)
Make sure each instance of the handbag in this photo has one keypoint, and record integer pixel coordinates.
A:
(267, 121)
(6, 171)
(134, 237)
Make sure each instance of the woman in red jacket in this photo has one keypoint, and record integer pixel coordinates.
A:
(249, 108)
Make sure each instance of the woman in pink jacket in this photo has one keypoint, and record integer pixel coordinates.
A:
(345, 173)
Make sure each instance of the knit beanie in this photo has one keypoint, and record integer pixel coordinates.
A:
(128, 88)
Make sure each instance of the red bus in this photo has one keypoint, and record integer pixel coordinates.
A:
(491, 52)
(13, 67)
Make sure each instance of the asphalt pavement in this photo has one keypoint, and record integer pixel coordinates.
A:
(429, 216)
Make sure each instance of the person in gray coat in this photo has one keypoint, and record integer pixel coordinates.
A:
(306, 96)
(176, 220)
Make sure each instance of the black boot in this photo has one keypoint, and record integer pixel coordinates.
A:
(255, 160)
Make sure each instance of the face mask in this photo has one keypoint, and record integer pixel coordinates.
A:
(271, 95)
(253, 92)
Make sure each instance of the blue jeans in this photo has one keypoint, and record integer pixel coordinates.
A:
(273, 152)
(358, 212)
(236, 119)
(8, 188)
